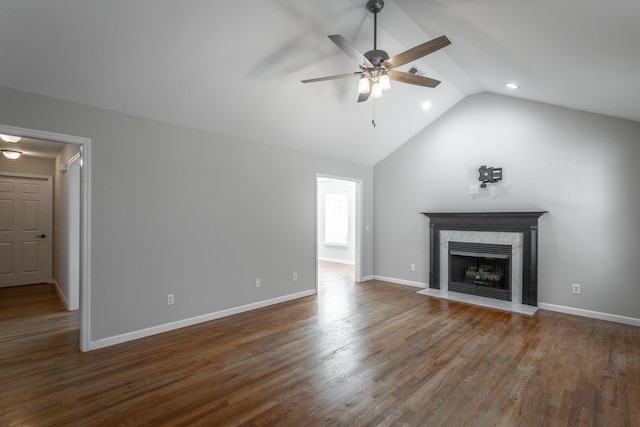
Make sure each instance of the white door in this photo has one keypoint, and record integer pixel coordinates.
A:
(25, 230)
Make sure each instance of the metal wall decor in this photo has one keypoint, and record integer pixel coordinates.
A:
(489, 175)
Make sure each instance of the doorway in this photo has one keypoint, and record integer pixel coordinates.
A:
(78, 223)
(338, 229)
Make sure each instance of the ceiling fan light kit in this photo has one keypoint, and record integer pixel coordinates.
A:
(385, 81)
(363, 84)
(377, 68)
(376, 90)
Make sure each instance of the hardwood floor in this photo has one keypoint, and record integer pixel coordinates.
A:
(356, 354)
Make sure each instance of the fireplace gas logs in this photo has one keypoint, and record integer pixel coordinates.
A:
(484, 274)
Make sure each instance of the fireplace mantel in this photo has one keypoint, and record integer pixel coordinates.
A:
(515, 222)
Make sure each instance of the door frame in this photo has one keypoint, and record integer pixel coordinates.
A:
(358, 262)
(85, 218)
(73, 231)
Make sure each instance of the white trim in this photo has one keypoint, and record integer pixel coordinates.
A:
(545, 306)
(85, 220)
(337, 261)
(592, 314)
(27, 175)
(336, 245)
(39, 134)
(401, 281)
(130, 336)
(73, 159)
(85, 246)
(359, 222)
(60, 294)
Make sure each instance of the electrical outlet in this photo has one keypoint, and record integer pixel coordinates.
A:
(413, 267)
(170, 299)
(295, 276)
(575, 288)
(257, 283)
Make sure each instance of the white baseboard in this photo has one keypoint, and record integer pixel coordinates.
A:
(130, 336)
(592, 314)
(60, 294)
(337, 260)
(366, 278)
(401, 281)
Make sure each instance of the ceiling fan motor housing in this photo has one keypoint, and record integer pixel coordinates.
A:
(377, 57)
(375, 6)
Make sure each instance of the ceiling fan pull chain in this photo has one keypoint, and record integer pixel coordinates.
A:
(373, 113)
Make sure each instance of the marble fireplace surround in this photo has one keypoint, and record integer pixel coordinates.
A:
(518, 229)
(498, 237)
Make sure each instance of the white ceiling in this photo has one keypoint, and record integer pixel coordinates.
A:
(234, 67)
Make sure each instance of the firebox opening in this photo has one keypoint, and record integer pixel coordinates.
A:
(480, 269)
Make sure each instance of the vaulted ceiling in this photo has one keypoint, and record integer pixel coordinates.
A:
(234, 67)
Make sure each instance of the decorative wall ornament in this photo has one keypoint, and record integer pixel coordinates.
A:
(489, 175)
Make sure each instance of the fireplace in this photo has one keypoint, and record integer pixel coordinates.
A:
(481, 269)
(489, 254)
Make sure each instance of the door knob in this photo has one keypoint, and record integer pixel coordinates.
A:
(41, 236)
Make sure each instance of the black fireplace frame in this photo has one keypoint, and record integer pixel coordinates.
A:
(514, 222)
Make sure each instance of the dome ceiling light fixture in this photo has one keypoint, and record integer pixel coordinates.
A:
(10, 138)
(11, 154)
(377, 68)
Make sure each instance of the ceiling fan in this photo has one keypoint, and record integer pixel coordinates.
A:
(377, 69)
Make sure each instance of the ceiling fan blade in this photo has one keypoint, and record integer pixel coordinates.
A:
(338, 76)
(412, 79)
(417, 52)
(348, 48)
(364, 96)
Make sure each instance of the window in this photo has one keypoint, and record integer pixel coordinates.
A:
(336, 219)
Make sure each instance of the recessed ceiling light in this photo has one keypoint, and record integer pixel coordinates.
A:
(511, 85)
(426, 105)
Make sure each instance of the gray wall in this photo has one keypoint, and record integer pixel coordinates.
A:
(581, 167)
(177, 210)
(26, 164)
(347, 254)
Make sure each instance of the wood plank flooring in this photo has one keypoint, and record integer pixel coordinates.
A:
(356, 354)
